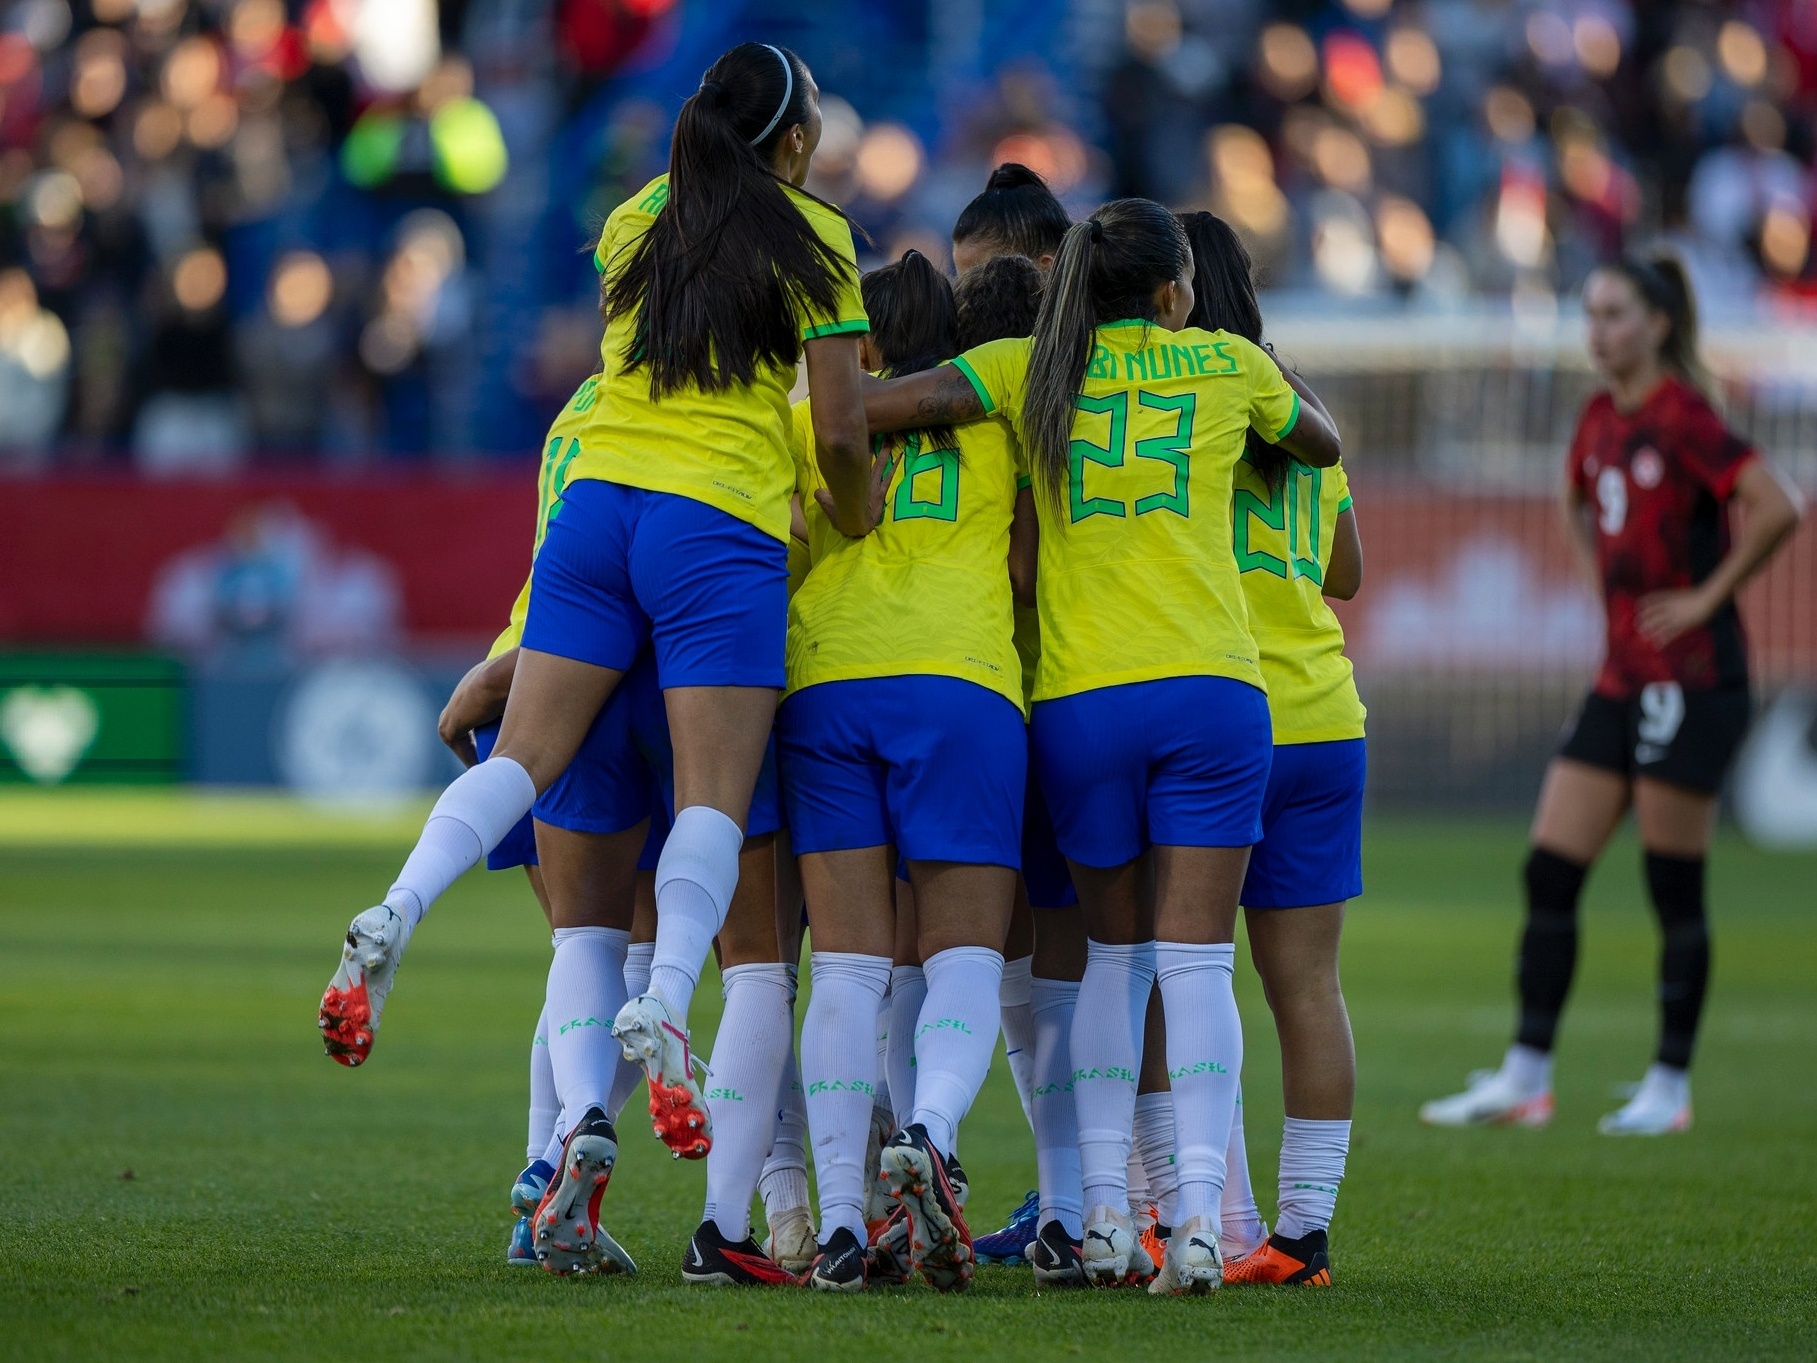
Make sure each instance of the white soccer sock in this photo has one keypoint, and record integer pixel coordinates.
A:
(756, 1033)
(1053, 1116)
(838, 1068)
(695, 880)
(629, 1074)
(1528, 1069)
(1153, 1136)
(1312, 1167)
(1205, 1063)
(881, 1099)
(1239, 1219)
(545, 1106)
(1136, 1178)
(1018, 1020)
(784, 1184)
(908, 991)
(955, 1038)
(479, 807)
(1107, 1048)
(586, 990)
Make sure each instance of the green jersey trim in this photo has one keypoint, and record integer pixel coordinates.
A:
(984, 395)
(1293, 419)
(856, 326)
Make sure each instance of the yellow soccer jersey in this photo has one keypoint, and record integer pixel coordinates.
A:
(1283, 547)
(927, 591)
(559, 453)
(729, 449)
(1137, 581)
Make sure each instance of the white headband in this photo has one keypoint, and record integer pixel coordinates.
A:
(788, 93)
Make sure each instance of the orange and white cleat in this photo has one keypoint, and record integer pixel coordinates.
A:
(349, 1015)
(678, 1112)
(1491, 1098)
(1151, 1234)
(565, 1231)
(1660, 1105)
(920, 1179)
(1305, 1262)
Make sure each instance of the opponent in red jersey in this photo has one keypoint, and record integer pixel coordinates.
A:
(1652, 479)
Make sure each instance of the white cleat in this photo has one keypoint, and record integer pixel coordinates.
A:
(678, 1113)
(1110, 1254)
(1661, 1106)
(349, 1015)
(791, 1240)
(1491, 1099)
(878, 1204)
(1193, 1265)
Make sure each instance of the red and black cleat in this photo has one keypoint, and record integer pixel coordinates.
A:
(712, 1260)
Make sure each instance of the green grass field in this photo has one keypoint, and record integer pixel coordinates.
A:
(185, 1176)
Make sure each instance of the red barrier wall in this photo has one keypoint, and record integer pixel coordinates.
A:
(78, 555)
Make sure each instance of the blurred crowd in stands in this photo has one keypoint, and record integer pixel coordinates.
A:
(247, 232)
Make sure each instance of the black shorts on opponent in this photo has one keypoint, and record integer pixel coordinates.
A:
(1664, 732)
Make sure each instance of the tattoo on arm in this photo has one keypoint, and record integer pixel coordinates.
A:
(953, 400)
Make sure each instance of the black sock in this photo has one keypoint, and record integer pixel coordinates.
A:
(1548, 946)
(1676, 884)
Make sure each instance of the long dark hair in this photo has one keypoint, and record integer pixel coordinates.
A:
(997, 299)
(1108, 269)
(914, 325)
(1223, 285)
(1017, 213)
(722, 278)
(1664, 285)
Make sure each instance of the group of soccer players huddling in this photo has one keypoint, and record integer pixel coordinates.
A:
(1039, 572)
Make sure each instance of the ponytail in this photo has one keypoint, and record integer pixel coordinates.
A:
(1017, 214)
(1224, 299)
(1664, 285)
(914, 324)
(721, 280)
(1107, 270)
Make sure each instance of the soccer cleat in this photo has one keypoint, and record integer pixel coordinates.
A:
(1191, 1265)
(711, 1260)
(565, 1227)
(962, 1186)
(892, 1262)
(839, 1265)
(1660, 1105)
(521, 1252)
(1010, 1245)
(1305, 1262)
(678, 1114)
(1151, 1234)
(1491, 1098)
(527, 1192)
(791, 1240)
(1055, 1257)
(877, 1204)
(940, 1243)
(349, 1015)
(1110, 1254)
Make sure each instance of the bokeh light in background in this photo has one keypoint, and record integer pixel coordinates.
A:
(1373, 153)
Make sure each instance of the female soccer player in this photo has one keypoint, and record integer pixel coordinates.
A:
(1650, 483)
(902, 733)
(1150, 723)
(1016, 215)
(1296, 543)
(718, 277)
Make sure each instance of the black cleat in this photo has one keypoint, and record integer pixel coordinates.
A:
(711, 1260)
(839, 1267)
(1055, 1256)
